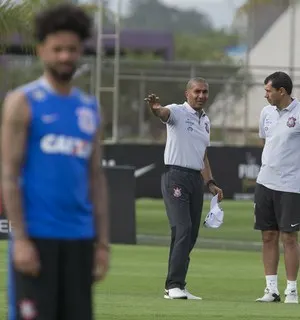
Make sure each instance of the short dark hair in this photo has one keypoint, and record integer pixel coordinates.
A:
(192, 81)
(63, 17)
(279, 80)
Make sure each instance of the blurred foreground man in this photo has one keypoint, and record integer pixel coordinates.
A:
(277, 194)
(54, 191)
(186, 170)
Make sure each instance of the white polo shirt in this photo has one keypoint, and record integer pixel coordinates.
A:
(280, 169)
(188, 136)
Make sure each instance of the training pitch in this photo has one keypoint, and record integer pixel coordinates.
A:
(228, 281)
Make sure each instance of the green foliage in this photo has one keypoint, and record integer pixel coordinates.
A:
(195, 38)
(154, 15)
(16, 17)
(208, 47)
(138, 56)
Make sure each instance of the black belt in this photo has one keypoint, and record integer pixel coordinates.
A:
(168, 167)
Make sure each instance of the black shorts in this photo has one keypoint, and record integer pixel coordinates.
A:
(276, 210)
(62, 291)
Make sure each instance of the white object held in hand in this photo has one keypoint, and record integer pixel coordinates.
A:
(215, 216)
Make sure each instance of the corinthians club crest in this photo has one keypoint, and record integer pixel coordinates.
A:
(177, 192)
(86, 120)
(206, 127)
(291, 122)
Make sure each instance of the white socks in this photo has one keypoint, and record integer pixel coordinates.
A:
(273, 286)
(291, 285)
(272, 283)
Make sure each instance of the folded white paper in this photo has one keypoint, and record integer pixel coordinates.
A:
(215, 216)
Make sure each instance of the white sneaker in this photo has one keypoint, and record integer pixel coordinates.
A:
(191, 296)
(291, 296)
(269, 296)
(175, 293)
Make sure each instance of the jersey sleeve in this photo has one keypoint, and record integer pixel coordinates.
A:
(261, 129)
(174, 114)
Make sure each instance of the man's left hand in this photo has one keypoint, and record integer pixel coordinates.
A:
(215, 190)
(101, 262)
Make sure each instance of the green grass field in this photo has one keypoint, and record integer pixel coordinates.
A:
(228, 281)
(237, 226)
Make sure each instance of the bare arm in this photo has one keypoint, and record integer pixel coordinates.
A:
(99, 193)
(208, 179)
(15, 120)
(206, 172)
(161, 112)
(262, 142)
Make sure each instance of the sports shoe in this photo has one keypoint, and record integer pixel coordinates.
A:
(175, 293)
(291, 296)
(191, 296)
(269, 296)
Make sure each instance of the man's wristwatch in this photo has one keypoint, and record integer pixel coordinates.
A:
(211, 181)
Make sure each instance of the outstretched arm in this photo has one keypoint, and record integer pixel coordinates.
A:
(161, 112)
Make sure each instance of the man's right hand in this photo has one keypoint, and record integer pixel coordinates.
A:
(25, 257)
(156, 108)
(153, 101)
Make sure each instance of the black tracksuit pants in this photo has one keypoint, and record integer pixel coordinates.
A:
(182, 190)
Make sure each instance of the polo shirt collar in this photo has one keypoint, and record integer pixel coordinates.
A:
(191, 110)
(291, 106)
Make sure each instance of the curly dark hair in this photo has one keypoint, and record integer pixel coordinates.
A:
(63, 17)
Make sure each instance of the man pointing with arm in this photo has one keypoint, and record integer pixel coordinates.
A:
(186, 170)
